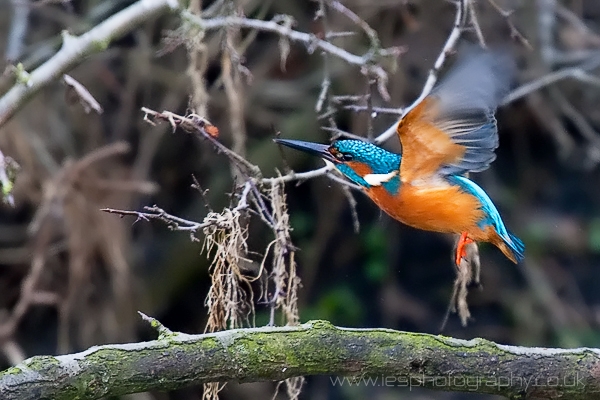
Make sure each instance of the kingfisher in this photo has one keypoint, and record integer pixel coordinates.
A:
(450, 133)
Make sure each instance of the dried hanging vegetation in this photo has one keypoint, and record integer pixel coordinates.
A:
(231, 299)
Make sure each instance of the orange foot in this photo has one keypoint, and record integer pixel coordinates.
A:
(461, 251)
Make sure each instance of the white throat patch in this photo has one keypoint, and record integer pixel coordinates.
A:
(379, 179)
(329, 163)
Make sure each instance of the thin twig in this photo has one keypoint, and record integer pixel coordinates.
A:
(202, 128)
(302, 176)
(571, 112)
(369, 101)
(271, 26)
(459, 23)
(376, 110)
(371, 33)
(86, 99)
(514, 32)
(551, 78)
(243, 201)
(311, 41)
(475, 23)
(326, 83)
(576, 22)
(174, 222)
(196, 185)
(337, 133)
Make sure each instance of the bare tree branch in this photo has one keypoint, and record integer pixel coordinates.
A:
(76, 48)
(311, 41)
(578, 72)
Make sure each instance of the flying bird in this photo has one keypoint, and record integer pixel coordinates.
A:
(450, 133)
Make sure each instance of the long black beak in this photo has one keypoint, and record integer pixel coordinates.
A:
(318, 149)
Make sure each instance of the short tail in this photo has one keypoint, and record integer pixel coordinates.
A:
(512, 247)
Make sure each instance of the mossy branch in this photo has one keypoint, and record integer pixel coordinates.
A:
(390, 358)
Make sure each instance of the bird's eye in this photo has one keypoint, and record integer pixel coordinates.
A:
(341, 156)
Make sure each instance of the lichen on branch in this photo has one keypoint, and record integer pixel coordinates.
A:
(388, 357)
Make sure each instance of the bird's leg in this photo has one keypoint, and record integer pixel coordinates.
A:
(461, 251)
(467, 271)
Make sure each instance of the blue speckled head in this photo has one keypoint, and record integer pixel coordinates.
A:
(378, 160)
(351, 156)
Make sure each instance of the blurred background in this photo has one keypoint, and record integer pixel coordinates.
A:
(72, 276)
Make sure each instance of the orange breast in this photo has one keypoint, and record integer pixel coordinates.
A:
(434, 208)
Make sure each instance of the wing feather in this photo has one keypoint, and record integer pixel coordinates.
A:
(453, 130)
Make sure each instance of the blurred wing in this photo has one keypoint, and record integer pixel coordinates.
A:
(453, 130)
